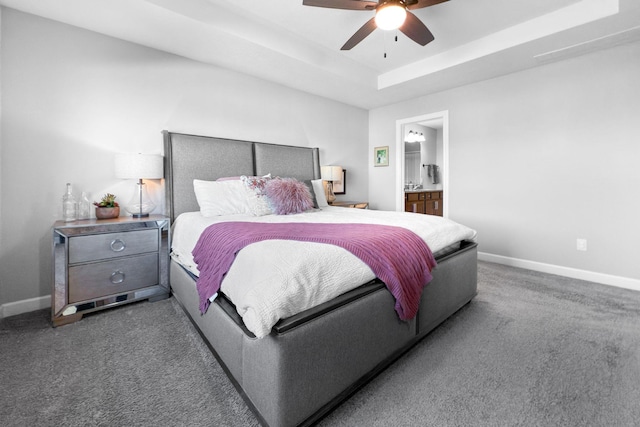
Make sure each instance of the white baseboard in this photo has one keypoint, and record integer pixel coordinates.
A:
(24, 306)
(574, 273)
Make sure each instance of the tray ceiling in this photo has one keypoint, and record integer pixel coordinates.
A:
(299, 46)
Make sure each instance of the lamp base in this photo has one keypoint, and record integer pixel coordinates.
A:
(140, 205)
(330, 196)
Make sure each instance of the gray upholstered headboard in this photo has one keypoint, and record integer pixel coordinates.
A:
(189, 157)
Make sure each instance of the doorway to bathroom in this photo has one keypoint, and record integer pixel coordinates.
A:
(431, 171)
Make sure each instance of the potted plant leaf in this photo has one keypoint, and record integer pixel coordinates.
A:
(107, 207)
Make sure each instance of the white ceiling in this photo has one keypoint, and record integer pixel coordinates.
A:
(299, 46)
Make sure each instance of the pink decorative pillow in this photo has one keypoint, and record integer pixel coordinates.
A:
(288, 196)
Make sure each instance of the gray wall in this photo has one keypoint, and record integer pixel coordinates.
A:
(538, 159)
(71, 99)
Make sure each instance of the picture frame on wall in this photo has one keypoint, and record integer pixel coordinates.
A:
(340, 187)
(381, 156)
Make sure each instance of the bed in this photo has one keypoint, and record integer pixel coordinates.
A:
(310, 361)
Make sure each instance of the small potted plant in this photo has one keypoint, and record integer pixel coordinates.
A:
(107, 207)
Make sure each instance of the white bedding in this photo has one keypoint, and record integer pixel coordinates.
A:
(275, 279)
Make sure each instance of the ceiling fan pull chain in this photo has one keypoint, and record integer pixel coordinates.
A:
(384, 44)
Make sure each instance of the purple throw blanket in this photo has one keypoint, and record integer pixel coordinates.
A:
(397, 256)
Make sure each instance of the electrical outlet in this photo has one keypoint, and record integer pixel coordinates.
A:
(581, 244)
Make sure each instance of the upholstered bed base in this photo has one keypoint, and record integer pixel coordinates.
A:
(296, 376)
(312, 361)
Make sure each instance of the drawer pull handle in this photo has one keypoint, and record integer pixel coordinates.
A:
(118, 245)
(117, 277)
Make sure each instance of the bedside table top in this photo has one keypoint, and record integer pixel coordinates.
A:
(346, 204)
(119, 220)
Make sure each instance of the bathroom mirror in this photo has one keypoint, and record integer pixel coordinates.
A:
(422, 156)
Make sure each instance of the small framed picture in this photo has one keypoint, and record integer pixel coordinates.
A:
(381, 156)
(340, 187)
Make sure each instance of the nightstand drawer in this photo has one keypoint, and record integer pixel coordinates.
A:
(111, 245)
(89, 281)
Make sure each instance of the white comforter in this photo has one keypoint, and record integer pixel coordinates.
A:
(275, 279)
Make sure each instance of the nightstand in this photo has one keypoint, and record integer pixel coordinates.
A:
(99, 264)
(357, 205)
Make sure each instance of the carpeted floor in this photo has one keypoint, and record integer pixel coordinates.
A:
(530, 350)
(137, 365)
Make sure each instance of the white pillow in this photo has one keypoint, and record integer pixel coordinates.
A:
(221, 197)
(318, 189)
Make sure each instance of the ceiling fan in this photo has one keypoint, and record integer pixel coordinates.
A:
(390, 15)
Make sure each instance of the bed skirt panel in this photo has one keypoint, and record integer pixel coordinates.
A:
(454, 283)
(291, 375)
(223, 335)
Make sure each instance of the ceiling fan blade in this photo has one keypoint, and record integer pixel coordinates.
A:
(363, 32)
(419, 4)
(416, 30)
(342, 4)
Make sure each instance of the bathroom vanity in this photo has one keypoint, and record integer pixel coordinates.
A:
(423, 201)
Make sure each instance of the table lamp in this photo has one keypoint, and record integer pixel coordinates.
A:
(330, 174)
(139, 166)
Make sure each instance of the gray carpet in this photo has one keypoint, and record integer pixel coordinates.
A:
(530, 350)
(137, 365)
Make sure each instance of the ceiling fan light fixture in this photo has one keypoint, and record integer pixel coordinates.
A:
(390, 15)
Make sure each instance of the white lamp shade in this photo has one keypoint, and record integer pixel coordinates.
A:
(139, 166)
(331, 173)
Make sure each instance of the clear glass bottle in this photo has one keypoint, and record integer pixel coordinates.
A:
(84, 207)
(69, 205)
